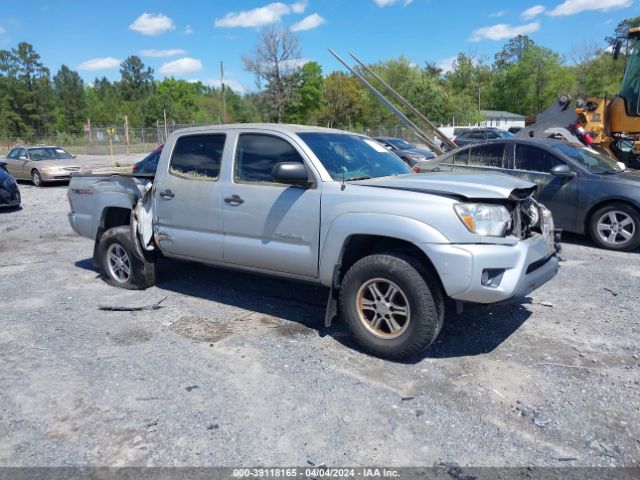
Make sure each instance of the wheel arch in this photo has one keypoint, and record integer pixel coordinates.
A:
(603, 203)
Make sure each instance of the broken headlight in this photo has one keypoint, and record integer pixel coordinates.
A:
(484, 219)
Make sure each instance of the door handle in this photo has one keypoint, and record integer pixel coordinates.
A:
(167, 194)
(234, 200)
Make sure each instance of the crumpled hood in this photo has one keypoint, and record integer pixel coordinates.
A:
(466, 185)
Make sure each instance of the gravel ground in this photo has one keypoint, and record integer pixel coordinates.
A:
(238, 369)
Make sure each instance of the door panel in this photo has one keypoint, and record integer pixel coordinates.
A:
(558, 194)
(188, 199)
(267, 225)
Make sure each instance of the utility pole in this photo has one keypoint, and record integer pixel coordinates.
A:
(126, 131)
(224, 99)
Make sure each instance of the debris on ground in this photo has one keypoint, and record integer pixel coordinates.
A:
(110, 308)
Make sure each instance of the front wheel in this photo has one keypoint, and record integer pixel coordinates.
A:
(616, 227)
(120, 266)
(36, 178)
(393, 306)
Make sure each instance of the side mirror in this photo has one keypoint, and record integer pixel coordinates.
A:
(562, 171)
(74, 156)
(616, 48)
(291, 173)
(23, 157)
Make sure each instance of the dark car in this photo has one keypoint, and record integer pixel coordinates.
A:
(9, 192)
(409, 153)
(587, 192)
(480, 135)
(148, 164)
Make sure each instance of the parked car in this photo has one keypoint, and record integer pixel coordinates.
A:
(410, 154)
(41, 164)
(328, 207)
(587, 192)
(148, 164)
(480, 135)
(9, 192)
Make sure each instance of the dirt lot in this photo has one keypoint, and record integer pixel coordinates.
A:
(237, 369)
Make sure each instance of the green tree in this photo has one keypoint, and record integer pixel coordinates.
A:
(344, 101)
(306, 100)
(136, 79)
(71, 100)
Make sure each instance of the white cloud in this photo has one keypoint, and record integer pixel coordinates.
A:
(152, 52)
(446, 64)
(572, 7)
(533, 12)
(308, 23)
(152, 24)
(501, 13)
(229, 83)
(181, 66)
(258, 17)
(299, 7)
(502, 31)
(105, 63)
(188, 30)
(386, 3)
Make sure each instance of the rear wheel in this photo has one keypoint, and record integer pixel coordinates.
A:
(120, 266)
(392, 305)
(616, 227)
(36, 178)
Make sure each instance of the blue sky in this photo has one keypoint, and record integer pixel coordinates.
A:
(189, 39)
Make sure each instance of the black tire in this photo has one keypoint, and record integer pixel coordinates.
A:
(420, 290)
(141, 273)
(623, 213)
(36, 178)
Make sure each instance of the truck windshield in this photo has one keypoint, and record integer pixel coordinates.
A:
(630, 88)
(353, 157)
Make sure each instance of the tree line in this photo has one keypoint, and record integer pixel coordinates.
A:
(523, 77)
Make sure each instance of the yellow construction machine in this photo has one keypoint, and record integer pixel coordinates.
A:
(609, 125)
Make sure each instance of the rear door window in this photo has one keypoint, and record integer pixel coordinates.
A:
(257, 154)
(489, 155)
(198, 157)
(535, 159)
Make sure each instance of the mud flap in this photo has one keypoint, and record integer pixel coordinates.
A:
(334, 292)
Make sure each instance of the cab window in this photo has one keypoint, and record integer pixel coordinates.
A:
(197, 157)
(257, 154)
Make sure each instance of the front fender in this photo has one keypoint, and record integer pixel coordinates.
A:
(385, 225)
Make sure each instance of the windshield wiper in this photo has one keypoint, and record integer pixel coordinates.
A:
(364, 177)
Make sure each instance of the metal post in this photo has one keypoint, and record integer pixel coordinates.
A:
(166, 134)
(126, 132)
(389, 105)
(443, 138)
(224, 99)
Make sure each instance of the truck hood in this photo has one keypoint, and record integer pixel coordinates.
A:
(469, 186)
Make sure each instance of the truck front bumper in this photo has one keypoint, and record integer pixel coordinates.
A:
(514, 270)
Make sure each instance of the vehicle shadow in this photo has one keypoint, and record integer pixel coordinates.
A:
(476, 331)
(585, 241)
(6, 210)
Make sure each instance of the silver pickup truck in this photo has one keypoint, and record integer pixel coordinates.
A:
(328, 207)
